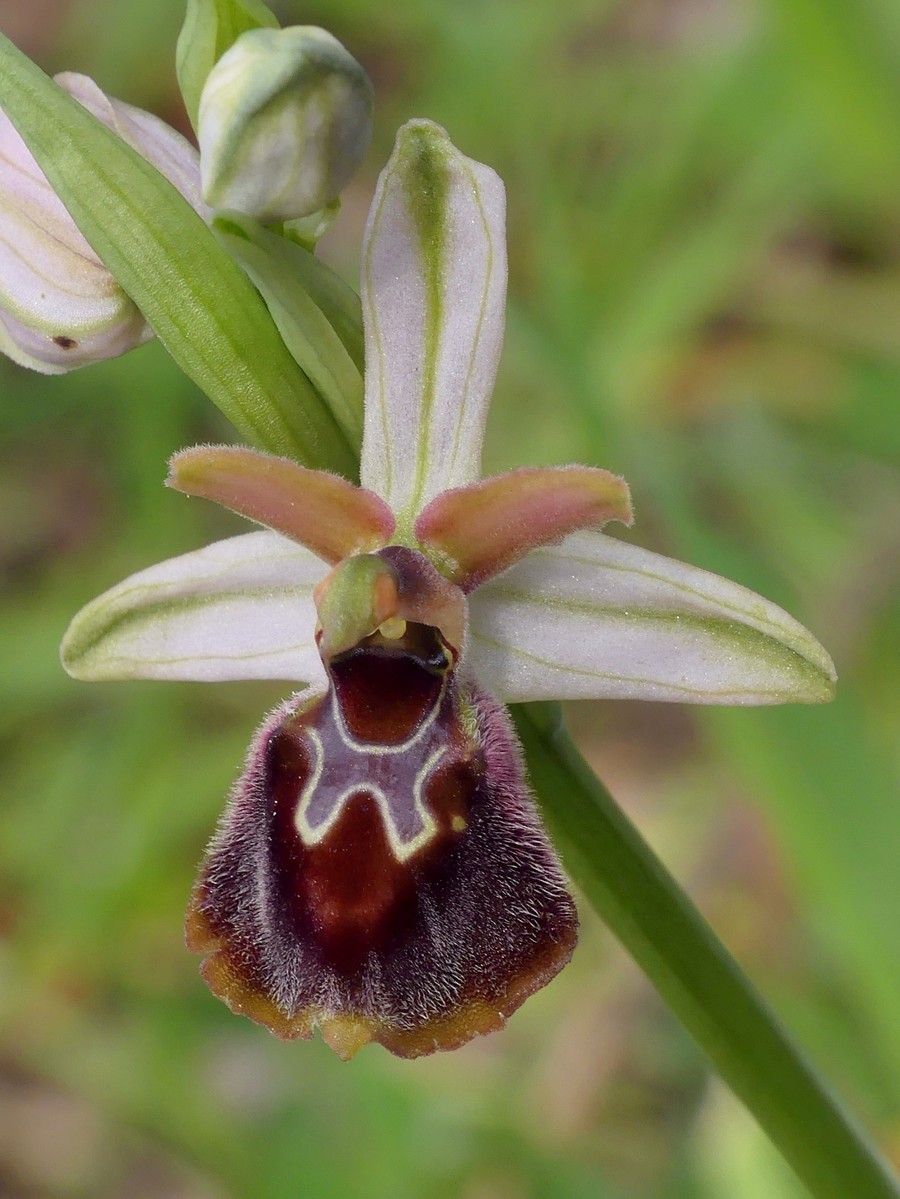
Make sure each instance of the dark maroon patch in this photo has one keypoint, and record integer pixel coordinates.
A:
(419, 950)
(65, 343)
(384, 694)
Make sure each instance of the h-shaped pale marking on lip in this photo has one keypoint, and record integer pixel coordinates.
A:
(402, 848)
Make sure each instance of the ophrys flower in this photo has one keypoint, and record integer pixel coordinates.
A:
(381, 871)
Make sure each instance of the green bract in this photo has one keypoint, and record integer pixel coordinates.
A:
(315, 313)
(60, 307)
(210, 28)
(197, 300)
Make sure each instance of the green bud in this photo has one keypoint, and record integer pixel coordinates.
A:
(210, 28)
(285, 120)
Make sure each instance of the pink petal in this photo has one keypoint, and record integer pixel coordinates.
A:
(325, 513)
(486, 527)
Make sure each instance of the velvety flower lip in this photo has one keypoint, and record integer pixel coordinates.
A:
(409, 609)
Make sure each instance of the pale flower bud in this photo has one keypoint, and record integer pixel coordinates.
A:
(60, 308)
(285, 120)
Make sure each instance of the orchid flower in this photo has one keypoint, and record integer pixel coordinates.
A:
(381, 871)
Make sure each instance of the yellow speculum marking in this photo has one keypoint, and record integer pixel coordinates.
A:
(402, 847)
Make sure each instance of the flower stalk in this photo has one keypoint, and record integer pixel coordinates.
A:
(657, 923)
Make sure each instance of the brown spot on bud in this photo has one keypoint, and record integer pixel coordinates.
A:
(65, 343)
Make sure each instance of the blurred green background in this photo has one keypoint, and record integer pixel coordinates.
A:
(705, 297)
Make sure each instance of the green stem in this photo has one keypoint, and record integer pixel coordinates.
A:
(694, 972)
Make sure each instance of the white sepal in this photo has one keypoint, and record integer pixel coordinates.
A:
(237, 609)
(597, 618)
(434, 290)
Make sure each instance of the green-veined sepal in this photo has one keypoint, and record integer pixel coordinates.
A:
(237, 609)
(434, 292)
(596, 618)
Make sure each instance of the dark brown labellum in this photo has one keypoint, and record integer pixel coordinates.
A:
(381, 872)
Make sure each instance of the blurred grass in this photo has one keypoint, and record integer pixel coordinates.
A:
(705, 296)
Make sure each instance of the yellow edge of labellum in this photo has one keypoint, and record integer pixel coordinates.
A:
(324, 512)
(488, 526)
(346, 1033)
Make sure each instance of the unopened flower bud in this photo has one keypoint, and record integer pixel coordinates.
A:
(285, 121)
(60, 307)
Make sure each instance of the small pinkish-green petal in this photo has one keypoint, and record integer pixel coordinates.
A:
(324, 512)
(481, 530)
